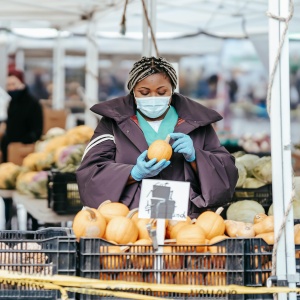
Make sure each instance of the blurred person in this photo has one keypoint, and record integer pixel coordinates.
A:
(202, 90)
(24, 121)
(38, 88)
(232, 89)
(212, 82)
(73, 97)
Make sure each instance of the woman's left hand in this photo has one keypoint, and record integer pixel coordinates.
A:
(183, 144)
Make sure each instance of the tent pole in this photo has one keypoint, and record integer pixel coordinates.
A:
(148, 47)
(58, 74)
(146, 34)
(153, 24)
(20, 59)
(3, 59)
(281, 147)
(91, 74)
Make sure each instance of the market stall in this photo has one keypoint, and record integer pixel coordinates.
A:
(235, 245)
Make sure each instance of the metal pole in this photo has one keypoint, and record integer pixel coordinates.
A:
(58, 74)
(146, 33)
(281, 146)
(91, 74)
(152, 6)
(148, 47)
(3, 59)
(20, 59)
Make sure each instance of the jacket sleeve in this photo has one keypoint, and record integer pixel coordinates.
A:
(36, 123)
(99, 177)
(217, 173)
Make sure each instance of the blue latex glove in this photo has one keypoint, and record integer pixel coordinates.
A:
(144, 169)
(183, 144)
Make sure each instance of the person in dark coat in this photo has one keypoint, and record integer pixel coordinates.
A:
(114, 163)
(24, 115)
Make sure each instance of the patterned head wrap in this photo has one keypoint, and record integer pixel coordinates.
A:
(147, 66)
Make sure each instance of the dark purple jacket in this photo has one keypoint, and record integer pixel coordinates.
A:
(106, 167)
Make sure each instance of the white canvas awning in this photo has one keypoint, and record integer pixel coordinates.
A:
(183, 27)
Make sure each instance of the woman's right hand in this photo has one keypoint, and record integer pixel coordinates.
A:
(145, 169)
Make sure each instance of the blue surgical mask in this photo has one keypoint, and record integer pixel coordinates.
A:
(153, 107)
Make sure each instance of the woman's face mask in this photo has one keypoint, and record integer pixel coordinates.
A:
(153, 107)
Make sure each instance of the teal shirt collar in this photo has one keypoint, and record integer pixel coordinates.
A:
(167, 126)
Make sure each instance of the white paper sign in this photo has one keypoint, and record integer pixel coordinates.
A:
(164, 199)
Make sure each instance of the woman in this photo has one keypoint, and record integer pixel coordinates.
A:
(24, 114)
(115, 163)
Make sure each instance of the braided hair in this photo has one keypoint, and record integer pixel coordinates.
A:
(147, 66)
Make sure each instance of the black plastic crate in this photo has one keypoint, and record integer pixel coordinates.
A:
(263, 195)
(46, 252)
(177, 265)
(63, 194)
(258, 265)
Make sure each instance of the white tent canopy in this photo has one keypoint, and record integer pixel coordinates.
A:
(183, 27)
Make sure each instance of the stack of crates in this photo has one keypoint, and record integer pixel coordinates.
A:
(43, 252)
(192, 265)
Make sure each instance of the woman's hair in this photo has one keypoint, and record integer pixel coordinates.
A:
(147, 66)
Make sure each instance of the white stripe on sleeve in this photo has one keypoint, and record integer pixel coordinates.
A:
(97, 141)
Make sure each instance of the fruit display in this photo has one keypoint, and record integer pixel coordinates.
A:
(8, 175)
(33, 184)
(58, 149)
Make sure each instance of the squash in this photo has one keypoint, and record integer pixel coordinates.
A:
(144, 259)
(218, 262)
(131, 276)
(8, 175)
(176, 228)
(38, 161)
(173, 223)
(112, 209)
(244, 211)
(113, 257)
(134, 214)
(266, 225)
(55, 143)
(190, 278)
(89, 223)
(105, 276)
(191, 235)
(171, 258)
(215, 278)
(259, 217)
(198, 262)
(268, 237)
(142, 228)
(239, 229)
(297, 234)
(245, 230)
(296, 210)
(121, 230)
(211, 223)
(160, 149)
(165, 278)
(217, 249)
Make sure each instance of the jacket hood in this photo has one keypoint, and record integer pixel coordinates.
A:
(122, 108)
